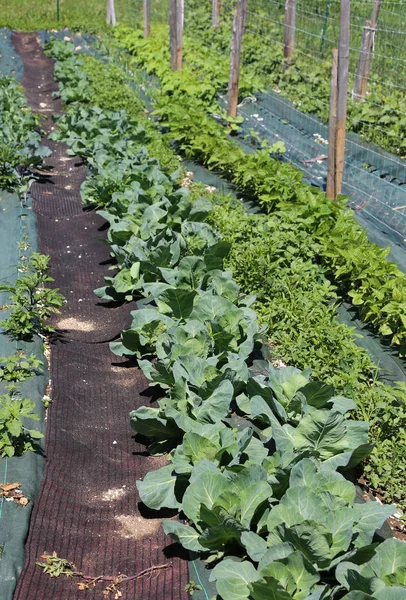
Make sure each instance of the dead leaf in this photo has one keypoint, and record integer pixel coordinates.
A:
(23, 501)
(43, 104)
(8, 487)
(82, 586)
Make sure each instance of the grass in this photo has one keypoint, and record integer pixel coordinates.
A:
(87, 16)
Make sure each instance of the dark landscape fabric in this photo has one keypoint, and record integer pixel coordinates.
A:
(87, 510)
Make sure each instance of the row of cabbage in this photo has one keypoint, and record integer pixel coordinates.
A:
(256, 454)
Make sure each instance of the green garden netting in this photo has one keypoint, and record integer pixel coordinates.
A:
(17, 222)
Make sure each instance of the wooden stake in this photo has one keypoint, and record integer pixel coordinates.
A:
(235, 56)
(331, 162)
(216, 7)
(367, 43)
(361, 79)
(176, 9)
(342, 84)
(289, 32)
(375, 13)
(147, 18)
(111, 13)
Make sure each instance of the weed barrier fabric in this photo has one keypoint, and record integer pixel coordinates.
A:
(10, 62)
(88, 508)
(17, 222)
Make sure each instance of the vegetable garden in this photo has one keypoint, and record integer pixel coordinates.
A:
(224, 415)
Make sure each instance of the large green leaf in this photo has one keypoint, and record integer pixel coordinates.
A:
(255, 545)
(161, 489)
(223, 532)
(187, 536)
(294, 573)
(390, 562)
(216, 406)
(194, 448)
(233, 578)
(297, 505)
(369, 517)
(323, 432)
(178, 302)
(311, 540)
(205, 490)
(268, 589)
(317, 394)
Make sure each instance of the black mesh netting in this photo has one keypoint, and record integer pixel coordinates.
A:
(87, 509)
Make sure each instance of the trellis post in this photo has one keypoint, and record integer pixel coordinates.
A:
(216, 8)
(342, 89)
(147, 18)
(289, 32)
(235, 56)
(367, 43)
(176, 12)
(111, 13)
(331, 162)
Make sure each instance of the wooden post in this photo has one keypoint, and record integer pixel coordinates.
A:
(147, 18)
(375, 13)
(176, 8)
(361, 79)
(289, 32)
(111, 13)
(235, 56)
(331, 162)
(367, 43)
(342, 85)
(216, 7)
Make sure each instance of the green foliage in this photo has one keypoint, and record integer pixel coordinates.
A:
(89, 17)
(18, 367)
(192, 587)
(15, 437)
(376, 286)
(306, 82)
(271, 259)
(32, 302)
(271, 256)
(20, 148)
(253, 451)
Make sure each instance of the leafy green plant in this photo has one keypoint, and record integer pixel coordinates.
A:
(192, 587)
(32, 302)
(18, 367)
(20, 149)
(15, 437)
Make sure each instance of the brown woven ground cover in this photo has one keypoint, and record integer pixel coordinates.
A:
(87, 510)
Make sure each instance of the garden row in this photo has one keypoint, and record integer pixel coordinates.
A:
(273, 259)
(29, 302)
(253, 451)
